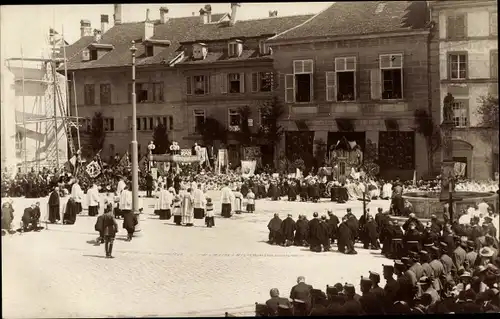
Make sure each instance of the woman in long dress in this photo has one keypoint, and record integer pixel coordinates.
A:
(187, 208)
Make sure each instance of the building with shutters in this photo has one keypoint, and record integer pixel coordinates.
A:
(358, 70)
(466, 40)
(189, 69)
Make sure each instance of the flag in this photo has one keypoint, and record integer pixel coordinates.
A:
(143, 161)
(56, 41)
(70, 164)
(414, 178)
(98, 159)
(124, 161)
(93, 169)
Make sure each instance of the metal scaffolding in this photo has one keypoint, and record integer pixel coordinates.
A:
(61, 114)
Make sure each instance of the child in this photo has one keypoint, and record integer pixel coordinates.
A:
(250, 202)
(110, 228)
(238, 199)
(177, 210)
(209, 215)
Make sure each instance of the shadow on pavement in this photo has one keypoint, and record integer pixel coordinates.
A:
(95, 256)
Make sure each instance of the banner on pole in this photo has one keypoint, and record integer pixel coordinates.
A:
(93, 169)
(248, 168)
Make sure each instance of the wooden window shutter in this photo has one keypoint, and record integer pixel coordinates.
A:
(171, 123)
(207, 84)
(289, 88)
(151, 92)
(450, 23)
(255, 82)
(223, 83)
(331, 88)
(376, 83)
(494, 64)
(213, 83)
(460, 26)
(242, 82)
(311, 87)
(189, 85)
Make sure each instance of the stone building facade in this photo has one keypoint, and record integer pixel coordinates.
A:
(466, 41)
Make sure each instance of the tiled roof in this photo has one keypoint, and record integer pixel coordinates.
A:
(362, 17)
(176, 30)
(222, 56)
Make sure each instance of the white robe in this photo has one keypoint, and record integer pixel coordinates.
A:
(165, 199)
(187, 208)
(387, 191)
(199, 199)
(93, 197)
(238, 201)
(120, 187)
(226, 195)
(77, 193)
(126, 200)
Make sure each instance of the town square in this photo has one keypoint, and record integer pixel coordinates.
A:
(250, 159)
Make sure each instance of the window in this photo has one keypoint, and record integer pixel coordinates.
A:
(146, 123)
(262, 81)
(234, 120)
(199, 120)
(109, 124)
(170, 123)
(197, 85)
(391, 77)
(263, 48)
(456, 26)
(457, 66)
(234, 49)
(345, 69)
(141, 92)
(493, 23)
(460, 113)
(89, 97)
(105, 94)
(93, 54)
(494, 64)
(236, 82)
(149, 50)
(158, 92)
(299, 85)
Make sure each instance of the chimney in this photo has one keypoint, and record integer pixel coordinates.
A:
(117, 16)
(208, 12)
(85, 28)
(97, 35)
(149, 27)
(104, 23)
(234, 7)
(273, 13)
(163, 15)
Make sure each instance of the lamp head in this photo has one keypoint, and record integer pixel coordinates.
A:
(133, 49)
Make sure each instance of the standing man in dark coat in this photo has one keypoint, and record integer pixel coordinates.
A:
(314, 243)
(149, 185)
(110, 228)
(391, 287)
(345, 243)
(54, 214)
(371, 234)
(177, 184)
(324, 234)
(353, 224)
(274, 226)
(292, 191)
(333, 222)
(301, 231)
(288, 228)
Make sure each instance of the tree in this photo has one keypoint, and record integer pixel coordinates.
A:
(320, 153)
(212, 130)
(488, 111)
(97, 132)
(244, 135)
(270, 132)
(160, 139)
(426, 127)
(370, 159)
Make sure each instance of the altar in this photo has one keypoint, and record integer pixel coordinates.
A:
(345, 156)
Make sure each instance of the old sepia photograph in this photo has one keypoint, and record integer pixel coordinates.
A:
(249, 159)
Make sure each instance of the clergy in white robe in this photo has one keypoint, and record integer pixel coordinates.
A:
(386, 191)
(77, 195)
(187, 208)
(199, 201)
(93, 200)
(165, 200)
(226, 200)
(238, 201)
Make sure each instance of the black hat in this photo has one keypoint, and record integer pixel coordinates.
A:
(428, 245)
(374, 274)
(388, 267)
(405, 260)
(424, 253)
(365, 281)
(434, 249)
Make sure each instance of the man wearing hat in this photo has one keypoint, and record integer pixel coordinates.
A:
(425, 284)
(415, 265)
(406, 285)
(437, 268)
(375, 288)
(425, 260)
(470, 256)
(408, 272)
(370, 303)
(446, 259)
(491, 229)
(463, 285)
(352, 306)
(391, 287)
(485, 254)
(460, 254)
(353, 224)
(276, 301)
(436, 225)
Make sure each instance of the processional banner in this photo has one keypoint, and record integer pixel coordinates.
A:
(93, 169)
(248, 167)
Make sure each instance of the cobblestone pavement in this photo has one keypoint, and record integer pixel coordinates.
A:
(167, 270)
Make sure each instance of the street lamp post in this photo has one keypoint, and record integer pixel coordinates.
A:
(135, 162)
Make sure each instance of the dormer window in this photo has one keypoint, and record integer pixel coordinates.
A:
(263, 48)
(200, 51)
(235, 48)
(149, 50)
(93, 55)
